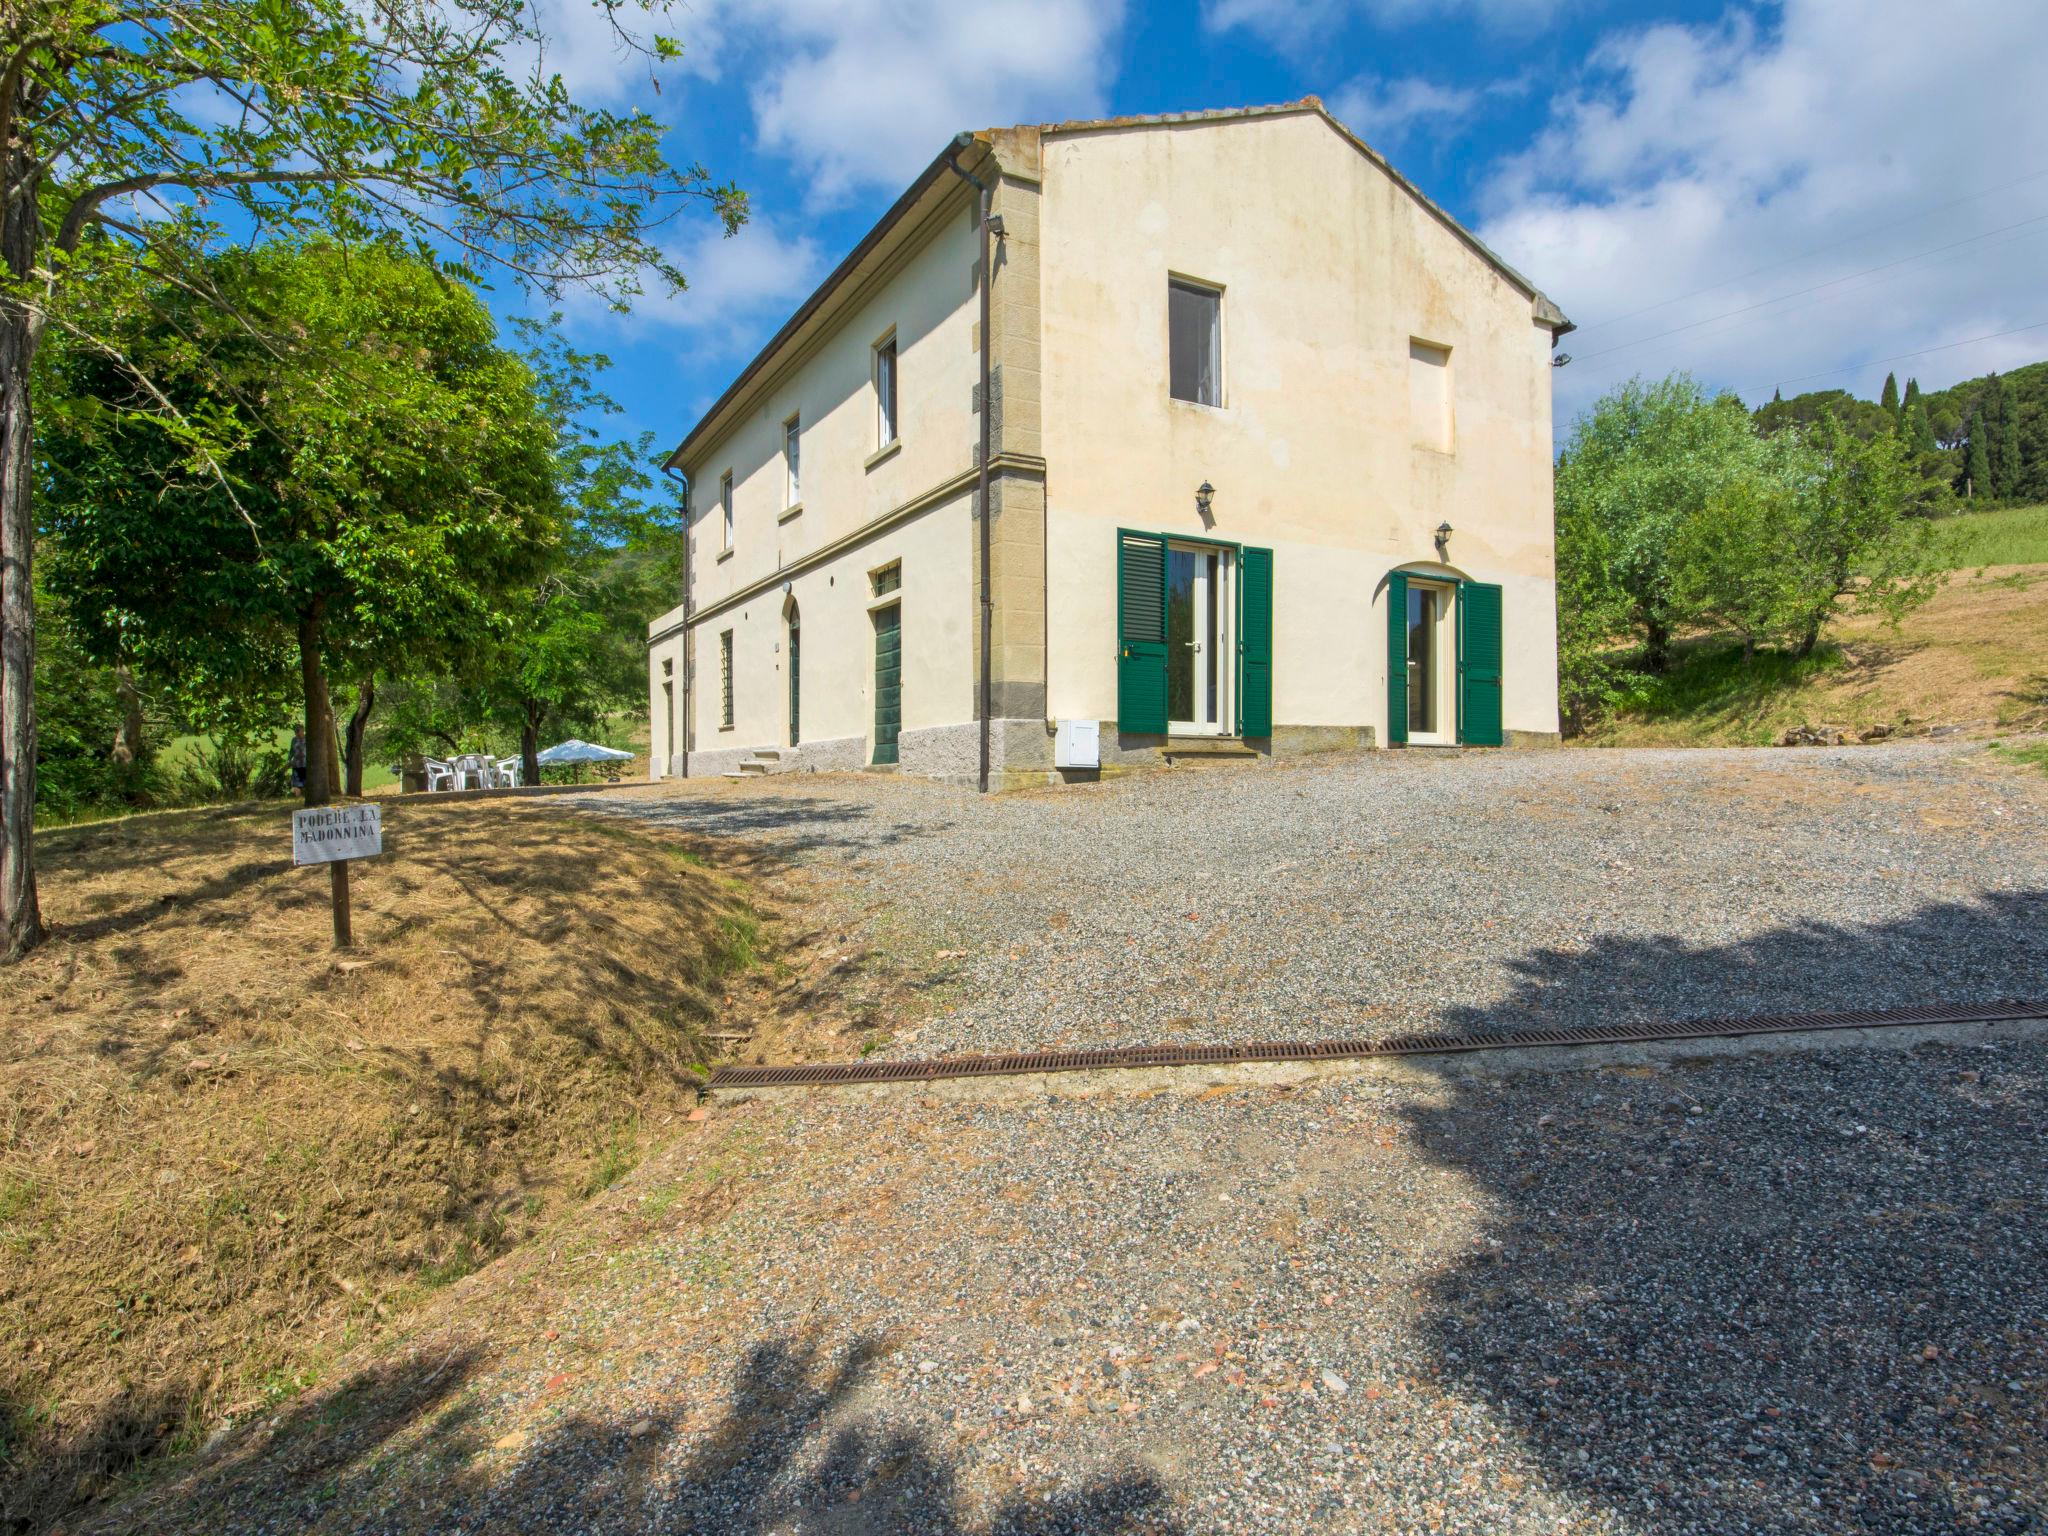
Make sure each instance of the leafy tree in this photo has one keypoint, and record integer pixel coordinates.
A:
(86, 713)
(1638, 465)
(136, 135)
(1730, 564)
(396, 477)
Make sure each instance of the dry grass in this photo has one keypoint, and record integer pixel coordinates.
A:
(1976, 656)
(227, 1154)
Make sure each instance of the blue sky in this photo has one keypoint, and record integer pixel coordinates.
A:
(1785, 194)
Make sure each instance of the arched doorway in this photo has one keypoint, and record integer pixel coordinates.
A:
(795, 671)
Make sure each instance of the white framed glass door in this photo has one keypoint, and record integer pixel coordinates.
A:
(1432, 665)
(1198, 640)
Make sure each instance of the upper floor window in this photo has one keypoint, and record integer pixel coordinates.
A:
(792, 435)
(1194, 334)
(725, 510)
(885, 391)
(1429, 395)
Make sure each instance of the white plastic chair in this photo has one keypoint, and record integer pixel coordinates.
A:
(472, 771)
(440, 775)
(505, 773)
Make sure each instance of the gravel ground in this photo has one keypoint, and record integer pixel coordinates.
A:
(1365, 895)
(1797, 1294)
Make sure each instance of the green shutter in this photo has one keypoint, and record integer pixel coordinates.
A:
(1479, 663)
(1141, 634)
(1255, 643)
(1397, 660)
(888, 681)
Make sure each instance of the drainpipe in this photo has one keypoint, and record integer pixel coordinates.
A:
(684, 481)
(987, 191)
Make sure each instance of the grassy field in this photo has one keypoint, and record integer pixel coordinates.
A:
(2017, 536)
(227, 1153)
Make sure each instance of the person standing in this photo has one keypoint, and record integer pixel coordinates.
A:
(298, 757)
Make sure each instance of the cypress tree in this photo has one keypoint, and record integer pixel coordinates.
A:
(1976, 460)
(2004, 450)
(1890, 398)
(1912, 391)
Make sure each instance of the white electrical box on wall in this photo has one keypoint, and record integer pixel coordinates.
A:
(1077, 744)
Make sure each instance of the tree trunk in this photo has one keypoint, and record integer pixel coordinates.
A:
(1808, 639)
(359, 722)
(128, 735)
(21, 918)
(1657, 644)
(319, 712)
(529, 744)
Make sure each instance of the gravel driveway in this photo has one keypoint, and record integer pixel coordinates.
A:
(1363, 895)
(1801, 1294)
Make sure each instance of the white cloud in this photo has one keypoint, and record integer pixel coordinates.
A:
(1382, 111)
(1294, 25)
(739, 289)
(1804, 175)
(862, 93)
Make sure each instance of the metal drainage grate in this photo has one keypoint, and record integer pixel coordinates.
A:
(1418, 1044)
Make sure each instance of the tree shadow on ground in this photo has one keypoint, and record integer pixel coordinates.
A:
(403, 1449)
(1983, 950)
(790, 824)
(1789, 1293)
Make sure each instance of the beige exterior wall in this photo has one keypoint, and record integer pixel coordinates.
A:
(1328, 269)
(862, 505)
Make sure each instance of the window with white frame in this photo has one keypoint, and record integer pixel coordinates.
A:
(725, 510)
(885, 391)
(1194, 336)
(1429, 395)
(792, 446)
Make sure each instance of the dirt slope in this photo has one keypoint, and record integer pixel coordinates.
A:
(227, 1155)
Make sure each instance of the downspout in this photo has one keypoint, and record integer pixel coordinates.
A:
(684, 481)
(987, 191)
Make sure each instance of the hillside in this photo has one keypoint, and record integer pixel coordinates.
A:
(1975, 658)
(229, 1154)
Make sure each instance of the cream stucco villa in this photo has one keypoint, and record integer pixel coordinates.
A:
(1266, 458)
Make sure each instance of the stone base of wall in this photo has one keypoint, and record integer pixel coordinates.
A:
(953, 752)
(709, 765)
(1287, 741)
(1533, 739)
(841, 754)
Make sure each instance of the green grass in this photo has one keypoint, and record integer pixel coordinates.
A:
(2013, 536)
(2033, 754)
(1712, 691)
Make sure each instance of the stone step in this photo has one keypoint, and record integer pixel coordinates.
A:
(1208, 749)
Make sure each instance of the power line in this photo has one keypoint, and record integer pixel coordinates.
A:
(1864, 283)
(1835, 282)
(1819, 250)
(1879, 362)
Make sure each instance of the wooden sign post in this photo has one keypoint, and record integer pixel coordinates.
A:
(332, 835)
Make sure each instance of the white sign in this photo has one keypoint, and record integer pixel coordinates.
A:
(333, 832)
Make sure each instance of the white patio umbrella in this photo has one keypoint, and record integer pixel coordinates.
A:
(574, 751)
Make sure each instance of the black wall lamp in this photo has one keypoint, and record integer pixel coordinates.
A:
(1205, 494)
(1443, 539)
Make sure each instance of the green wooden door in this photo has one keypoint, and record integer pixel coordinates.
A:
(1397, 660)
(795, 677)
(1479, 664)
(888, 681)
(1255, 643)
(1141, 634)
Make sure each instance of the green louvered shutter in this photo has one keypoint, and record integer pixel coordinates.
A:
(1397, 660)
(1141, 634)
(1255, 643)
(1479, 660)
